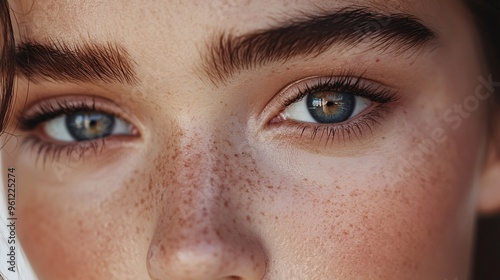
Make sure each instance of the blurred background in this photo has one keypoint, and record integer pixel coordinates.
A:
(487, 256)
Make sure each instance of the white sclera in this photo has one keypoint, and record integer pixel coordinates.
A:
(57, 129)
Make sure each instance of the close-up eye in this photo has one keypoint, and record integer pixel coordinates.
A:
(75, 119)
(333, 100)
(84, 126)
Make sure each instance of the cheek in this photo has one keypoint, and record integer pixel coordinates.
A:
(95, 228)
(399, 211)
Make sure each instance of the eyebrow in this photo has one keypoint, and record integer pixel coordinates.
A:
(87, 62)
(312, 35)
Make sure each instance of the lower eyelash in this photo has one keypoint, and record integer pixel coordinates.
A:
(347, 132)
(71, 151)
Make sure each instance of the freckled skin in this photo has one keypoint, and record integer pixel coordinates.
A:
(208, 191)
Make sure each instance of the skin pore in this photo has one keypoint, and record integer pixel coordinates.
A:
(212, 177)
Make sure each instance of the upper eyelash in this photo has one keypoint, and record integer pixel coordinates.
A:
(47, 111)
(347, 84)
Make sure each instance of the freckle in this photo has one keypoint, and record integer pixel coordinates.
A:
(377, 60)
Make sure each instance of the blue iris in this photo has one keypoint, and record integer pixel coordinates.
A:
(85, 126)
(330, 107)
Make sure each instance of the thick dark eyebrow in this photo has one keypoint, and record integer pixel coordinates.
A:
(312, 35)
(86, 62)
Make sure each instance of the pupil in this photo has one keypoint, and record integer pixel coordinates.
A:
(89, 125)
(330, 107)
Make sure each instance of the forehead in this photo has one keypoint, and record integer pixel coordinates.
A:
(122, 19)
(167, 36)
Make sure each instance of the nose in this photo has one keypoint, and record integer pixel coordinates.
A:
(203, 253)
(199, 234)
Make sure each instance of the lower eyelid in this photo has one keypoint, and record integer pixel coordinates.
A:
(49, 151)
(73, 151)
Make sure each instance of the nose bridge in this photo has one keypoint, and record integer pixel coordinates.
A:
(205, 161)
(193, 183)
(193, 176)
(196, 235)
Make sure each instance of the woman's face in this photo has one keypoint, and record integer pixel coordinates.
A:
(247, 139)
